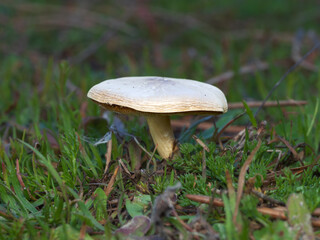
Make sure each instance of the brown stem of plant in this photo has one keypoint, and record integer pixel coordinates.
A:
(241, 180)
(281, 103)
(274, 213)
(186, 226)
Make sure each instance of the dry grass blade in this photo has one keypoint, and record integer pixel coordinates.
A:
(205, 148)
(200, 142)
(19, 175)
(83, 231)
(204, 164)
(108, 189)
(292, 150)
(23, 187)
(124, 167)
(231, 191)
(227, 125)
(108, 156)
(186, 226)
(152, 159)
(145, 150)
(241, 180)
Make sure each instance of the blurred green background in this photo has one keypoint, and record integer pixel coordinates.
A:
(202, 40)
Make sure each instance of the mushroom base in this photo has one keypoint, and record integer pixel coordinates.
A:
(162, 135)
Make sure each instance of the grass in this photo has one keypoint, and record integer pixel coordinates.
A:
(54, 182)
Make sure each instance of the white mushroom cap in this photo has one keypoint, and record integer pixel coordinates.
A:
(156, 98)
(159, 95)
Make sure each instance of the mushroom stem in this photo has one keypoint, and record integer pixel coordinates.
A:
(162, 134)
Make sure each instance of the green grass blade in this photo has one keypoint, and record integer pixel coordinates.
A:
(250, 114)
(314, 117)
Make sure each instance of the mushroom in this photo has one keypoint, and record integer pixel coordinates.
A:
(156, 98)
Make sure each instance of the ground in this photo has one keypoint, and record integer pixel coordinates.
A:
(71, 170)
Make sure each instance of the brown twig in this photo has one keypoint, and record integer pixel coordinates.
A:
(217, 137)
(279, 213)
(186, 226)
(205, 199)
(274, 213)
(281, 103)
(267, 198)
(241, 180)
(316, 212)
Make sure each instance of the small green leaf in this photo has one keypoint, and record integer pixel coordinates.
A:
(100, 203)
(277, 230)
(138, 205)
(316, 109)
(85, 211)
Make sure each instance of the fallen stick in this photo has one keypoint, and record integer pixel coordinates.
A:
(278, 213)
(281, 103)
